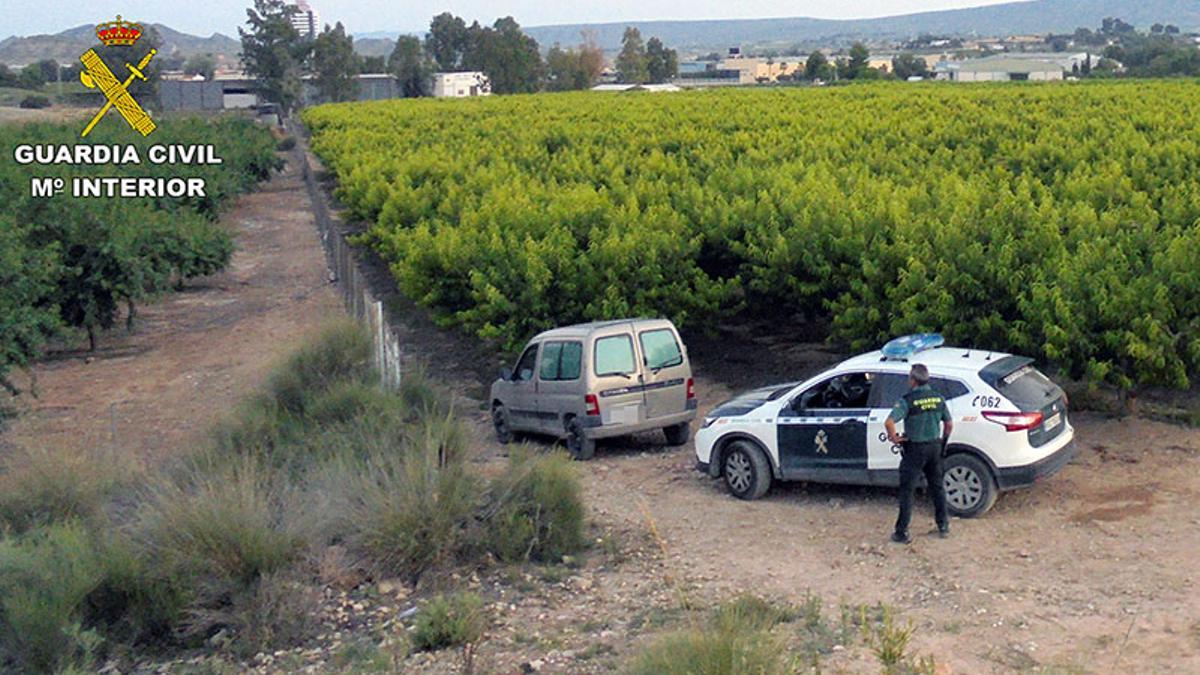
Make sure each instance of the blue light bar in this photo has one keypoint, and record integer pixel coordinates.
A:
(902, 348)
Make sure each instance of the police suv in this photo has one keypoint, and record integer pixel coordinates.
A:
(1010, 425)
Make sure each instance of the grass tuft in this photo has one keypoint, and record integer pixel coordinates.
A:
(456, 620)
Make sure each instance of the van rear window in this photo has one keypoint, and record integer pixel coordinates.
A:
(660, 349)
(614, 356)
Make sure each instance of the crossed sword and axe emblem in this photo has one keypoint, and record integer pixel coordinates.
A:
(97, 74)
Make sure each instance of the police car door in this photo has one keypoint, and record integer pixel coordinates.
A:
(822, 434)
(882, 456)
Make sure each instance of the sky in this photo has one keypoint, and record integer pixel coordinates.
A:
(363, 16)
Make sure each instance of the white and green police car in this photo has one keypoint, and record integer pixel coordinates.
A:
(1010, 425)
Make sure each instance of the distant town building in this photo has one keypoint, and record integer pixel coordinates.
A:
(455, 85)
(306, 21)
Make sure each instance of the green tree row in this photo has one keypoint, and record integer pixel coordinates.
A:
(1060, 222)
(75, 264)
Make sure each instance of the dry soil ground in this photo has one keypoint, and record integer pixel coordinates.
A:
(1094, 570)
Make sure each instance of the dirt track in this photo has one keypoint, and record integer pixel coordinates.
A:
(1093, 570)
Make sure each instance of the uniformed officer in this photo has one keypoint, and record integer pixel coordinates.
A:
(922, 410)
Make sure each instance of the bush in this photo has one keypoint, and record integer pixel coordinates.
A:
(449, 621)
(45, 579)
(342, 352)
(724, 651)
(286, 143)
(406, 511)
(212, 540)
(41, 487)
(35, 101)
(537, 511)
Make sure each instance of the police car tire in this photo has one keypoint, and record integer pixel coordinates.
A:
(744, 460)
(678, 434)
(579, 445)
(983, 479)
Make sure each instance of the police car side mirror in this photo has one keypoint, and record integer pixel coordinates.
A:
(506, 374)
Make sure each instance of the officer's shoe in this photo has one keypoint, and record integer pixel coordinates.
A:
(901, 538)
(943, 531)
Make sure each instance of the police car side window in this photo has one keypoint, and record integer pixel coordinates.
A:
(949, 389)
(887, 389)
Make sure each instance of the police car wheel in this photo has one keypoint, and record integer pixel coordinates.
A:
(747, 472)
(970, 487)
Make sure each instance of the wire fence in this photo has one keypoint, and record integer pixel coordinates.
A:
(351, 281)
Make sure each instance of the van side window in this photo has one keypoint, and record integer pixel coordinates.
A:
(614, 356)
(572, 360)
(550, 357)
(660, 349)
(525, 365)
(561, 361)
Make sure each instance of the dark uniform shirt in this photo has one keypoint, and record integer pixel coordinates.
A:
(922, 410)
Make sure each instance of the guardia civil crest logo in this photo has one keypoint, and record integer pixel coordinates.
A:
(97, 75)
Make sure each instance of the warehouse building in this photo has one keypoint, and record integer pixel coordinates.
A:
(1001, 69)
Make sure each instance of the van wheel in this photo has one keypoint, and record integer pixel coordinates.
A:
(500, 422)
(747, 472)
(677, 434)
(970, 487)
(578, 444)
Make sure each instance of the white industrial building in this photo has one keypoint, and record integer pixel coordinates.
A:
(464, 84)
(1001, 69)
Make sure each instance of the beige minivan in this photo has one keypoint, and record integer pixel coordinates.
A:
(598, 380)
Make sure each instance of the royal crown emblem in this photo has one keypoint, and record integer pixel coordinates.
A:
(119, 32)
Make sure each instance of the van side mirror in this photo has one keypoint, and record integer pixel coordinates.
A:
(506, 374)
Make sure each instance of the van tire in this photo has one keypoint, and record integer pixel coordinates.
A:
(970, 486)
(678, 434)
(746, 469)
(579, 445)
(502, 424)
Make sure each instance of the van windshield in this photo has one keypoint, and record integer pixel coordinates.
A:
(660, 349)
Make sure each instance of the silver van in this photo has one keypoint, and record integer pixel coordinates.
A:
(597, 380)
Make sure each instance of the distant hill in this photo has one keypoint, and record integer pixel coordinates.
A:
(69, 44)
(1015, 18)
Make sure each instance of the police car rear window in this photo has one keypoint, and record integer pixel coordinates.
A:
(1028, 388)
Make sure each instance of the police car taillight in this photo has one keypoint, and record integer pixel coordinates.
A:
(1014, 421)
(592, 404)
(691, 389)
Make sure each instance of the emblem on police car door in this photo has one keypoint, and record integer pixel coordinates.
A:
(820, 440)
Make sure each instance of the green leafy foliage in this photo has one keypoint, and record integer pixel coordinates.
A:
(1056, 221)
(539, 512)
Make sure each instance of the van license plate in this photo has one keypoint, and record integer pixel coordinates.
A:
(627, 414)
(1053, 421)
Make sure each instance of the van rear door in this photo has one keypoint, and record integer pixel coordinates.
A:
(665, 371)
(618, 386)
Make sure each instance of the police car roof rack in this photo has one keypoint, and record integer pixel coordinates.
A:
(903, 348)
